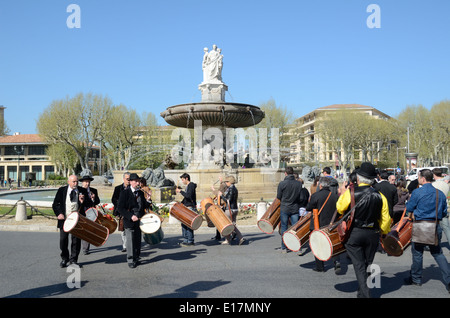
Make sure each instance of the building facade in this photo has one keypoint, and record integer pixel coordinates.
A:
(306, 143)
(21, 154)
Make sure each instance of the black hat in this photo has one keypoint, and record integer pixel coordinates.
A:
(367, 170)
(134, 176)
(85, 178)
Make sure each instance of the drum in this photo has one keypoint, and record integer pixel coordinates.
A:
(298, 234)
(186, 216)
(150, 223)
(95, 216)
(155, 237)
(85, 229)
(220, 220)
(271, 218)
(205, 204)
(325, 244)
(398, 238)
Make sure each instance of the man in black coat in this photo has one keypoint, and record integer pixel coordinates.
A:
(189, 201)
(324, 200)
(288, 193)
(131, 207)
(68, 199)
(388, 190)
(115, 201)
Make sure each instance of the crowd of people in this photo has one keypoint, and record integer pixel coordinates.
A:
(377, 202)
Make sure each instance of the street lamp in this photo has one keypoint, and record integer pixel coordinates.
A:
(18, 151)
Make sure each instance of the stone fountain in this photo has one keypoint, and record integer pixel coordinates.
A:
(214, 122)
(214, 114)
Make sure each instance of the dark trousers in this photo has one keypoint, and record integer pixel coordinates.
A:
(75, 246)
(361, 248)
(134, 238)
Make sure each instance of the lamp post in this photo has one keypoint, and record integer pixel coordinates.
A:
(18, 151)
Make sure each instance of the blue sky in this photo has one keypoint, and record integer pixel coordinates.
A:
(147, 54)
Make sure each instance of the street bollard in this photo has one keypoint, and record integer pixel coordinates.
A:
(21, 211)
(261, 209)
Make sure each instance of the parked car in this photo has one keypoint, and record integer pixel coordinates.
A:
(412, 175)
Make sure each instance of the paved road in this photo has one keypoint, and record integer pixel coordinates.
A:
(30, 268)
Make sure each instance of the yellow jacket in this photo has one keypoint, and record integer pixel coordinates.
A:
(384, 221)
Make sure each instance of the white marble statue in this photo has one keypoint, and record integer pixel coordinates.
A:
(212, 65)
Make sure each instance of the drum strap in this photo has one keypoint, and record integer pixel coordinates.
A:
(324, 203)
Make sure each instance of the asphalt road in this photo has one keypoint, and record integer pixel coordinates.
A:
(257, 269)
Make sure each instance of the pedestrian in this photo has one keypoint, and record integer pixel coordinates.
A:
(403, 196)
(288, 192)
(189, 201)
(371, 217)
(68, 199)
(422, 206)
(323, 200)
(115, 201)
(231, 196)
(131, 206)
(441, 183)
(334, 185)
(388, 190)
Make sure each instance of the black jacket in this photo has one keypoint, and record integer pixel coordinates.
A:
(390, 192)
(190, 197)
(317, 200)
(59, 203)
(288, 193)
(96, 198)
(130, 205)
(115, 198)
(231, 195)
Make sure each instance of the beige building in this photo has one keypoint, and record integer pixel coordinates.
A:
(23, 154)
(306, 143)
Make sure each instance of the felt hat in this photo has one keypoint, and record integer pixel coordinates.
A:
(367, 170)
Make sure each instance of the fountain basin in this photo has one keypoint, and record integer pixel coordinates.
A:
(233, 115)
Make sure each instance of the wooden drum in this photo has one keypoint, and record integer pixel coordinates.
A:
(220, 220)
(85, 229)
(298, 234)
(186, 216)
(205, 204)
(96, 216)
(271, 218)
(325, 244)
(398, 238)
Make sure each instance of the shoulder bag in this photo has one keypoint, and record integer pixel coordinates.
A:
(425, 232)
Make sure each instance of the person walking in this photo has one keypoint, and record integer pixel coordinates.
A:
(371, 218)
(422, 206)
(288, 192)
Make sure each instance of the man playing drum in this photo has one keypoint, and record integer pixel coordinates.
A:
(189, 201)
(288, 193)
(323, 200)
(68, 199)
(371, 216)
(131, 207)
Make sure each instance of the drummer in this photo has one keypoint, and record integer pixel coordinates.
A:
(231, 196)
(131, 207)
(371, 216)
(324, 200)
(68, 198)
(189, 201)
(86, 180)
(222, 188)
